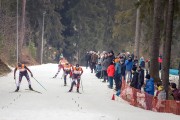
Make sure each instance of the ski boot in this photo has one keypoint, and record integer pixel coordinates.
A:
(30, 87)
(65, 83)
(17, 89)
(77, 90)
(70, 90)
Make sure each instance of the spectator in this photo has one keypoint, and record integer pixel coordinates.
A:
(117, 76)
(134, 82)
(135, 61)
(149, 85)
(160, 97)
(149, 89)
(123, 69)
(160, 94)
(105, 65)
(87, 58)
(140, 78)
(94, 59)
(98, 70)
(175, 92)
(129, 65)
(142, 62)
(111, 72)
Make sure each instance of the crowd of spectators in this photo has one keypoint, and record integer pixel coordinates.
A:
(125, 66)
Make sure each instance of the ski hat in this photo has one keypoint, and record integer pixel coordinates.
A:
(19, 64)
(77, 65)
(148, 76)
(134, 69)
(173, 85)
(160, 88)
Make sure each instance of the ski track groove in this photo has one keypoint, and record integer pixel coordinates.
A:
(11, 102)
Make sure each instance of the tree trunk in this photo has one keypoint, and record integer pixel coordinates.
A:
(168, 41)
(154, 43)
(137, 33)
(164, 38)
(179, 75)
(22, 32)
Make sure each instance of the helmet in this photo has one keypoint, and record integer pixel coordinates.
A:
(19, 64)
(77, 65)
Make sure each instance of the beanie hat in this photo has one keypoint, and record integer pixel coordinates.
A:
(148, 76)
(134, 68)
(173, 85)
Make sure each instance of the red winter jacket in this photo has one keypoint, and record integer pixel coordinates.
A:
(111, 71)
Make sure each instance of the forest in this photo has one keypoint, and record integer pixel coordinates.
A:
(73, 27)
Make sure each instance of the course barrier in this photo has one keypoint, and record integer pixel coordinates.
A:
(145, 101)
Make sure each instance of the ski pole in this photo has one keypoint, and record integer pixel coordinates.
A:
(15, 82)
(39, 83)
(81, 85)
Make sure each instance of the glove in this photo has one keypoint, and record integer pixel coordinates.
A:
(31, 75)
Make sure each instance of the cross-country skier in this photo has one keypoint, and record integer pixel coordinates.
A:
(62, 61)
(76, 74)
(67, 70)
(22, 72)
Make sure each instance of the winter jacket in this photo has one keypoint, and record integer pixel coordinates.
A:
(176, 94)
(98, 68)
(141, 77)
(149, 87)
(105, 64)
(111, 71)
(142, 64)
(117, 69)
(123, 69)
(134, 82)
(129, 65)
(88, 57)
(94, 58)
(161, 94)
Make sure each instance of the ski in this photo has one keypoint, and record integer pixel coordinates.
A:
(74, 92)
(34, 91)
(14, 92)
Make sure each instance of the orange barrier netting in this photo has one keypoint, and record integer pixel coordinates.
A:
(143, 100)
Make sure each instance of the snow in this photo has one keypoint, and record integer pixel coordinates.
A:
(57, 104)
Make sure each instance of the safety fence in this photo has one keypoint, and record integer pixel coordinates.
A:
(143, 100)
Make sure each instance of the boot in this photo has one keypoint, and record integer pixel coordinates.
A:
(70, 90)
(30, 87)
(65, 83)
(77, 90)
(17, 89)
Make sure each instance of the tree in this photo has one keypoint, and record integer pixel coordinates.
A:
(168, 41)
(154, 43)
(22, 32)
(137, 32)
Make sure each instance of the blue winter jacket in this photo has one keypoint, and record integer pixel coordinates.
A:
(98, 68)
(117, 69)
(149, 88)
(129, 65)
